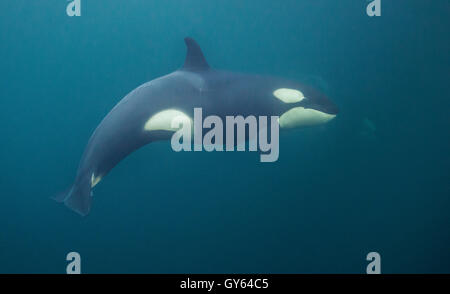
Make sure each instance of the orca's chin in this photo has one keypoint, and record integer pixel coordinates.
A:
(302, 117)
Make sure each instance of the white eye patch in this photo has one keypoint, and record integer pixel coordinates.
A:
(289, 95)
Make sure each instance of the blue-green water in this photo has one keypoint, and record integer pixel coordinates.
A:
(377, 178)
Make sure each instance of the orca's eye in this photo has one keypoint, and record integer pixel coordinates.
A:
(289, 95)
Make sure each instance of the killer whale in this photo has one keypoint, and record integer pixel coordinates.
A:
(143, 116)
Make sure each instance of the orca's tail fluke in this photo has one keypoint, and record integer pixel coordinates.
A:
(77, 197)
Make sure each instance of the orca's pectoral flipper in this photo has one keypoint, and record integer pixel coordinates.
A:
(195, 60)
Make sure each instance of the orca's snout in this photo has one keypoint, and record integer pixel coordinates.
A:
(331, 107)
(322, 103)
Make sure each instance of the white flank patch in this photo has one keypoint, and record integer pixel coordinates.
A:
(162, 121)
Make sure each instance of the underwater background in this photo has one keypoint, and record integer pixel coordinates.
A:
(377, 178)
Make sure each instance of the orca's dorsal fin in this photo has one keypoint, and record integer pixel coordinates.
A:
(194, 56)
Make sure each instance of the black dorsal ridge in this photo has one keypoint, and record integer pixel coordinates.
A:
(195, 60)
